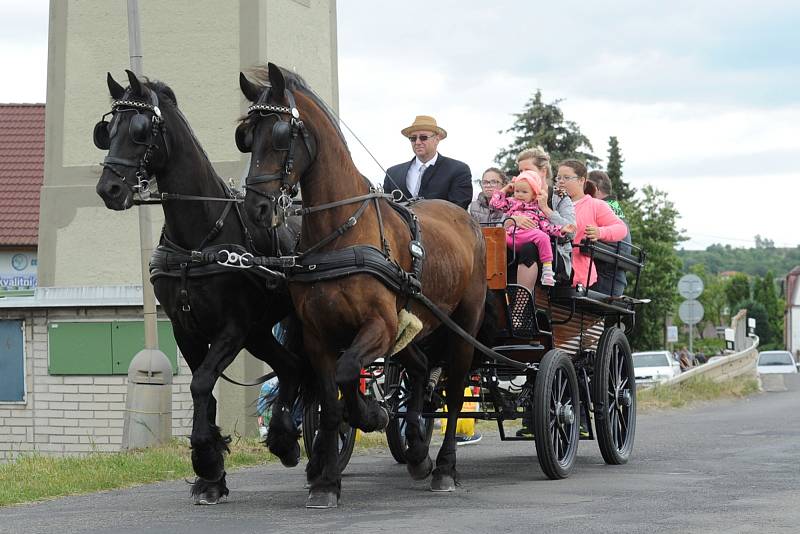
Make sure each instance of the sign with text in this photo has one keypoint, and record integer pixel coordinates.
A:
(18, 269)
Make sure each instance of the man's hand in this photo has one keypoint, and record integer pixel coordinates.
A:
(523, 222)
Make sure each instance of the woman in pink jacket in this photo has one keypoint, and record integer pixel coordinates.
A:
(594, 219)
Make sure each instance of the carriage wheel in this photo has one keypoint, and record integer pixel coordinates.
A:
(614, 392)
(396, 387)
(556, 414)
(346, 434)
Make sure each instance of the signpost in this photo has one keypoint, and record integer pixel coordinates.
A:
(691, 312)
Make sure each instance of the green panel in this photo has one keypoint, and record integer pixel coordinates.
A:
(127, 340)
(80, 348)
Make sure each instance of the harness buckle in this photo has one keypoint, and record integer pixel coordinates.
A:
(196, 256)
(417, 250)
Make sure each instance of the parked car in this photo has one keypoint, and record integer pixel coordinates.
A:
(654, 366)
(776, 361)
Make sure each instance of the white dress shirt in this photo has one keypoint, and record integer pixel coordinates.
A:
(414, 176)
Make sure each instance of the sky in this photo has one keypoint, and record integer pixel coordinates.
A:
(704, 97)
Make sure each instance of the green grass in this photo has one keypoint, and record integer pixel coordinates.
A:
(694, 390)
(36, 477)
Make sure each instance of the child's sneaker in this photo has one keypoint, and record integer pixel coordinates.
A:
(548, 277)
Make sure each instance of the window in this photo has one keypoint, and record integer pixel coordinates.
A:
(12, 361)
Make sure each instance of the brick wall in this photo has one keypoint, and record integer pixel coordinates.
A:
(74, 414)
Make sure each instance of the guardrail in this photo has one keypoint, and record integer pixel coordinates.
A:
(730, 366)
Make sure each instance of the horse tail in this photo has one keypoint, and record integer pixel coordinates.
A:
(489, 329)
(293, 342)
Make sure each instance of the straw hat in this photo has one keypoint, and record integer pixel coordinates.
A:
(424, 122)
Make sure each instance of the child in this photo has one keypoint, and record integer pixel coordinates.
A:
(525, 188)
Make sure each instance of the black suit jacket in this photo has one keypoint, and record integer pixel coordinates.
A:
(449, 179)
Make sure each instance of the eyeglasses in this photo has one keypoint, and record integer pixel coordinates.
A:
(491, 183)
(562, 177)
(423, 138)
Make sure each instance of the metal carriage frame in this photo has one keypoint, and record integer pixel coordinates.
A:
(577, 381)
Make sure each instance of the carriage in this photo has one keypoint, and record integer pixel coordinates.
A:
(566, 364)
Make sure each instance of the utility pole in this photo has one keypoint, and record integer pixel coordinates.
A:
(148, 406)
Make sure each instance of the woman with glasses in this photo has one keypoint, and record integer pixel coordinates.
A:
(557, 207)
(493, 179)
(595, 219)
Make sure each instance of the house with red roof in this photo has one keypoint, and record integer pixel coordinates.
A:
(21, 175)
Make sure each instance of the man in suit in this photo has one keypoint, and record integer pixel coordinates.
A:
(430, 174)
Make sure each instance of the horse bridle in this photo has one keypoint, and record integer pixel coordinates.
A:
(142, 131)
(284, 139)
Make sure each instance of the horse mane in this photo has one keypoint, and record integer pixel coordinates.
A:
(295, 82)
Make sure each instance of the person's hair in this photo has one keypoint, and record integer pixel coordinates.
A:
(497, 171)
(575, 165)
(589, 188)
(602, 181)
(541, 160)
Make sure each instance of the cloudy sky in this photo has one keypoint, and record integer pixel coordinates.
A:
(703, 96)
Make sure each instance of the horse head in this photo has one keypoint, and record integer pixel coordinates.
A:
(134, 138)
(282, 147)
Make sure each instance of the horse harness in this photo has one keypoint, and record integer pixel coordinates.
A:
(170, 259)
(284, 139)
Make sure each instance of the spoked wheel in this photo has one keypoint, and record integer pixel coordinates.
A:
(396, 388)
(614, 392)
(556, 414)
(346, 435)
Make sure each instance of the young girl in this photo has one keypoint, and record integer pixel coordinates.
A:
(526, 187)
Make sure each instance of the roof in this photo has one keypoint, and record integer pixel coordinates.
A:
(76, 297)
(21, 172)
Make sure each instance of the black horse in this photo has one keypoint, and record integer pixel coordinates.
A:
(216, 311)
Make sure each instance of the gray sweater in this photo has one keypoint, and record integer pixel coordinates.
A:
(564, 213)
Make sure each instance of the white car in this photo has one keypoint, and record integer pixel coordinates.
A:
(654, 367)
(715, 359)
(776, 361)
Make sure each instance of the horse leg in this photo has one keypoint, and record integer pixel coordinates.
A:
(322, 471)
(283, 433)
(418, 460)
(372, 341)
(194, 353)
(445, 476)
(208, 444)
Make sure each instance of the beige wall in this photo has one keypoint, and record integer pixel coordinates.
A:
(198, 48)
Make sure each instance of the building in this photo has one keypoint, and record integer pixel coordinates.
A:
(21, 173)
(71, 341)
(791, 326)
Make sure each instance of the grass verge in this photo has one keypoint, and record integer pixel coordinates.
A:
(36, 477)
(694, 390)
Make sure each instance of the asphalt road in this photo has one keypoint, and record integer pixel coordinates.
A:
(728, 467)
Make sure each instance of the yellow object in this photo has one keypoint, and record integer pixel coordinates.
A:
(408, 326)
(465, 427)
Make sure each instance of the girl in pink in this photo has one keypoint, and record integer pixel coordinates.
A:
(594, 218)
(525, 188)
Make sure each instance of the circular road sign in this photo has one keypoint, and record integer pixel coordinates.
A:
(690, 286)
(691, 311)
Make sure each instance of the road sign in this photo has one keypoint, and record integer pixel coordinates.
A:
(690, 286)
(672, 334)
(691, 311)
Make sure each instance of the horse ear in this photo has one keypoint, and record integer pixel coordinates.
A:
(136, 85)
(114, 88)
(276, 80)
(251, 91)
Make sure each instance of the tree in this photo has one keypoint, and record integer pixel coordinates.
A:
(737, 290)
(712, 298)
(652, 222)
(757, 311)
(764, 292)
(622, 190)
(544, 124)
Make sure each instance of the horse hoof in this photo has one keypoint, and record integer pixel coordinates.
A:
(322, 499)
(443, 484)
(210, 497)
(421, 470)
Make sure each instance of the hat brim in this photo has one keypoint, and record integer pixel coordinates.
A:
(441, 132)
